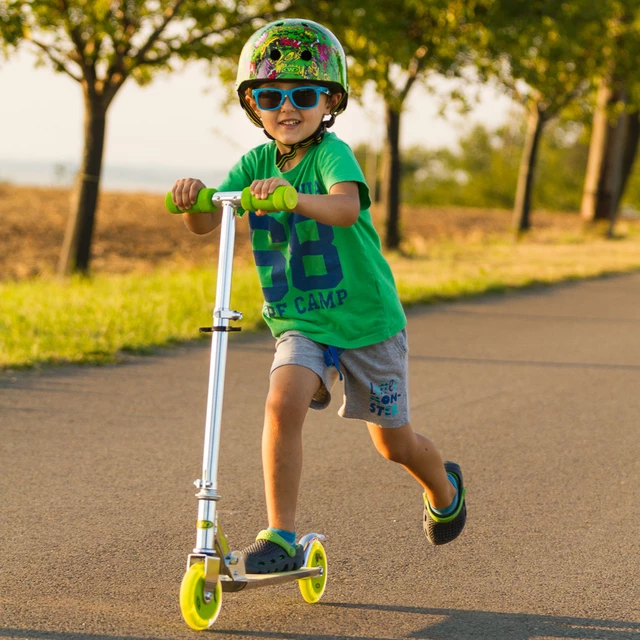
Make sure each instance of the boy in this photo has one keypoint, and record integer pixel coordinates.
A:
(330, 296)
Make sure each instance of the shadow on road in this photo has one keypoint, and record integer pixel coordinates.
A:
(455, 624)
(39, 634)
(445, 624)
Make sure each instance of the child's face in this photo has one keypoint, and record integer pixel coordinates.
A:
(288, 124)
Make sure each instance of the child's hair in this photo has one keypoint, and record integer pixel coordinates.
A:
(292, 50)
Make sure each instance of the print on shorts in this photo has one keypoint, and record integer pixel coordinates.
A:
(384, 398)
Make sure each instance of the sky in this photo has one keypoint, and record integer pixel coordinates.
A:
(178, 123)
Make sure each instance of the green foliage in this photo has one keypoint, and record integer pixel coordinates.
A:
(10, 27)
(483, 170)
(561, 168)
(103, 42)
(394, 43)
(542, 51)
(481, 173)
(618, 43)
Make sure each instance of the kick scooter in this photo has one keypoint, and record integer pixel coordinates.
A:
(212, 568)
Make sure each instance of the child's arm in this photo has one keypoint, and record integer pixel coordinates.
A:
(184, 194)
(340, 208)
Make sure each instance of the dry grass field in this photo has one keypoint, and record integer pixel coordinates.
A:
(134, 233)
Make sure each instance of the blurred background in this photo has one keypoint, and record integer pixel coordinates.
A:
(494, 122)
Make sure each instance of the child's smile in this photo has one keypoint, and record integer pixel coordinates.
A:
(289, 125)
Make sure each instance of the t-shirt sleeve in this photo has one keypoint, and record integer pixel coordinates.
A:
(338, 164)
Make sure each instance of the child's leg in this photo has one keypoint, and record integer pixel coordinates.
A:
(419, 456)
(290, 392)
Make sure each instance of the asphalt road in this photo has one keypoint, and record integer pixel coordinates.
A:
(535, 394)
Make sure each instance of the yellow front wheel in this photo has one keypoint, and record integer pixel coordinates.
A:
(313, 588)
(199, 607)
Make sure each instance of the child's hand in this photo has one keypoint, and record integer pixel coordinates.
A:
(262, 189)
(184, 192)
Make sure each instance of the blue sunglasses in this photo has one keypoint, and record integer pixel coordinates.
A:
(269, 99)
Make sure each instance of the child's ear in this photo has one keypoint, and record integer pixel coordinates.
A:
(334, 101)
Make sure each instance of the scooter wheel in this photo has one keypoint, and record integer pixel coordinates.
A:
(199, 608)
(313, 588)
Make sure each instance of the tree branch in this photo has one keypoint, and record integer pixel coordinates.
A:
(76, 38)
(415, 67)
(119, 71)
(58, 62)
(168, 16)
(199, 38)
(89, 76)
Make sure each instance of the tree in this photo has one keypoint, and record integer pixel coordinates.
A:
(540, 53)
(616, 126)
(395, 44)
(103, 43)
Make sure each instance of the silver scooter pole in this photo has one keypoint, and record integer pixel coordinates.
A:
(222, 316)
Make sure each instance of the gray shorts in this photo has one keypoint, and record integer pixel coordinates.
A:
(376, 380)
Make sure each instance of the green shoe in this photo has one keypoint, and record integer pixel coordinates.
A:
(271, 553)
(441, 530)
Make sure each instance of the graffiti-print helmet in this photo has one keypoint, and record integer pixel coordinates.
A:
(292, 50)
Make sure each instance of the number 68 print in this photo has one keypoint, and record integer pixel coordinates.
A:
(276, 259)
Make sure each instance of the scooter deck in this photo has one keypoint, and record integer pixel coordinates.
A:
(253, 580)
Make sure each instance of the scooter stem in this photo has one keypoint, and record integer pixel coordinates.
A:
(222, 315)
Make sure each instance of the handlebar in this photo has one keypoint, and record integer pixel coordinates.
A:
(282, 199)
(203, 203)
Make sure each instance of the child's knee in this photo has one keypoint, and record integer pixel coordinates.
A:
(280, 403)
(283, 402)
(291, 389)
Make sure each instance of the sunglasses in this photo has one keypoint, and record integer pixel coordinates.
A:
(301, 97)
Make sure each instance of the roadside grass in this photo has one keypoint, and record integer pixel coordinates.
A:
(99, 320)
(454, 271)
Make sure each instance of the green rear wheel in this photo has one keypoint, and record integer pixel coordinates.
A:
(313, 588)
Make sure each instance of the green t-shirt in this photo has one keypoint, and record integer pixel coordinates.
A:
(330, 283)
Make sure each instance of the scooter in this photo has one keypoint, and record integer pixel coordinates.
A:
(212, 568)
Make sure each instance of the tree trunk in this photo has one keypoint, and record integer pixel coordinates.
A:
(76, 248)
(630, 150)
(524, 191)
(607, 151)
(597, 148)
(391, 178)
(613, 167)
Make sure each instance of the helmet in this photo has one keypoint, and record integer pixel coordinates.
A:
(292, 50)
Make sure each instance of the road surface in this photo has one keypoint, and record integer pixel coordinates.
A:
(536, 394)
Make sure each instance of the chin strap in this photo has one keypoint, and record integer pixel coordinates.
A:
(314, 138)
(282, 158)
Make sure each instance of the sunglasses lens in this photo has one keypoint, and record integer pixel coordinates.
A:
(272, 99)
(305, 98)
(269, 99)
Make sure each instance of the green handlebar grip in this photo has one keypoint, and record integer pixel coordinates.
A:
(282, 199)
(203, 203)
